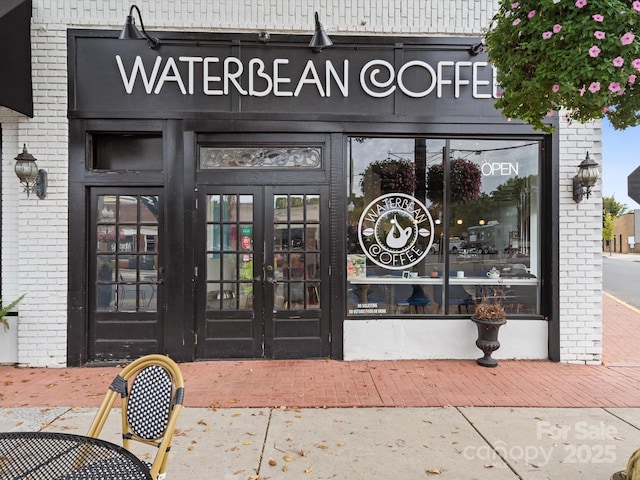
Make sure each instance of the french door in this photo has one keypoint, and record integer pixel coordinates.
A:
(262, 272)
(127, 273)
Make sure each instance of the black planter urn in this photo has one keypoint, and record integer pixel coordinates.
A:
(487, 340)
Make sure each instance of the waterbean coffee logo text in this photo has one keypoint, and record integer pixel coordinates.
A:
(395, 231)
(223, 76)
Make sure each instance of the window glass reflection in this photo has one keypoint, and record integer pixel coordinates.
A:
(484, 204)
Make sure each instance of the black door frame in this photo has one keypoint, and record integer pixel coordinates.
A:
(178, 334)
(180, 140)
(282, 178)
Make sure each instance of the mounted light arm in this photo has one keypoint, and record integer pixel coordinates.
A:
(131, 32)
(476, 48)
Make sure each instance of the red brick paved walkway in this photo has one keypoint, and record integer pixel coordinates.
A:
(330, 383)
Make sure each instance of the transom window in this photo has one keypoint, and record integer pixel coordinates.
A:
(272, 157)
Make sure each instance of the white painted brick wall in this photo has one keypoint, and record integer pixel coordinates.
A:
(580, 241)
(37, 263)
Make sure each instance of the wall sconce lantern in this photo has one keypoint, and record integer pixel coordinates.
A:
(320, 39)
(131, 32)
(586, 178)
(34, 180)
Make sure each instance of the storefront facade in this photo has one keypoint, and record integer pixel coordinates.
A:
(225, 197)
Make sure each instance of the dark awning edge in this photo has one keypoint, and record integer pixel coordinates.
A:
(16, 88)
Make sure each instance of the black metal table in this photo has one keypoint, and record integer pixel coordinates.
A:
(62, 456)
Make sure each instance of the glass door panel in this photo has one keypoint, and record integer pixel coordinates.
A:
(263, 274)
(126, 273)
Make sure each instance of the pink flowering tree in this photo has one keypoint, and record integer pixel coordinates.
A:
(578, 55)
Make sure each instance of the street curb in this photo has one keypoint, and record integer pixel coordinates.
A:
(622, 302)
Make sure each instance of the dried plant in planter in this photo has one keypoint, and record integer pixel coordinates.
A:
(489, 316)
(491, 307)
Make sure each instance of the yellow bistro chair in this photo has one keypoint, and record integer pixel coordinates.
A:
(151, 391)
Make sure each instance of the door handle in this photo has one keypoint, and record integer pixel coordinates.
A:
(271, 280)
(160, 279)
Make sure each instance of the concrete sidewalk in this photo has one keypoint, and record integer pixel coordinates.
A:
(380, 443)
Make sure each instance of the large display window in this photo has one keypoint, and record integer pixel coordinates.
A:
(435, 225)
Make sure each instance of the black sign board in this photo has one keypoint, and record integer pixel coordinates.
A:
(369, 78)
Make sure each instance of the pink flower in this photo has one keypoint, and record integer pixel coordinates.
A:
(516, 22)
(597, 17)
(582, 90)
(636, 6)
(614, 87)
(594, 51)
(557, 27)
(618, 62)
(636, 64)
(627, 38)
(531, 14)
(556, 88)
(594, 87)
(547, 35)
(581, 3)
(515, 5)
(599, 34)
(632, 79)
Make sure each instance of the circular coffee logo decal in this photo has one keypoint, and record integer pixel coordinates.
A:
(395, 231)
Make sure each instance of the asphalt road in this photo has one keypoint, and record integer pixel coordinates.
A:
(621, 278)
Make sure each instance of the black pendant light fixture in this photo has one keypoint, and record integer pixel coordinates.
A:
(320, 38)
(131, 32)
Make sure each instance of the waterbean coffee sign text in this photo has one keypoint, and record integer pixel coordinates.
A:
(377, 78)
(379, 81)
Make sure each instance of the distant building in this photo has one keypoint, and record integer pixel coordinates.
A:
(625, 229)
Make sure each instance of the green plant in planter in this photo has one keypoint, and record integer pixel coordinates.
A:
(578, 55)
(4, 310)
